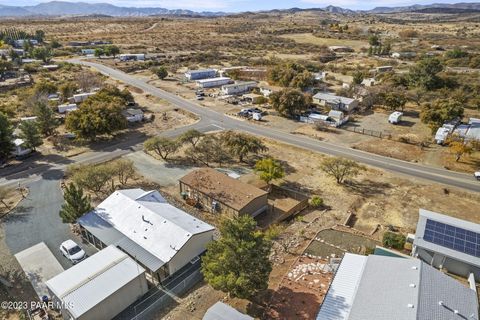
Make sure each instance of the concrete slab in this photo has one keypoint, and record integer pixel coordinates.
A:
(40, 265)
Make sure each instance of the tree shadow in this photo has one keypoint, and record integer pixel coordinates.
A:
(367, 188)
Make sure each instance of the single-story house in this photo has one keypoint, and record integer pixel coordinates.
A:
(341, 49)
(238, 87)
(19, 148)
(21, 42)
(132, 57)
(335, 102)
(50, 67)
(200, 74)
(159, 236)
(67, 107)
(379, 287)
(80, 97)
(448, 243)
(88, 51)
(99, 287)
(382, 69)
(213, 82)
(220, 193)
(253, 98)
(470, 131)
(133, 115)
(222, 311)
(405, 54)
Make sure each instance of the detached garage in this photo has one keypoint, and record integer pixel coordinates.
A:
(99, 287)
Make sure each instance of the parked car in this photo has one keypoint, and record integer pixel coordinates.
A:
(200, 98)
(477, 175)
(72, 251)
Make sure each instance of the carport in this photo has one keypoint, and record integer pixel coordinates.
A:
(40, 265)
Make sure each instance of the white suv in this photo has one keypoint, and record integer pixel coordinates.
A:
(72, 251)
(477, 175)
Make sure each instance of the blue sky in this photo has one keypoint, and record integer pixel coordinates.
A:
(243, 5)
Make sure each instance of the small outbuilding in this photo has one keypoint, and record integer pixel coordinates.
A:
(222, 311)
(78, 98)
(99, 287)
(63, 108)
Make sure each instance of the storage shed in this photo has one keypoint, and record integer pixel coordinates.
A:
(99, 287)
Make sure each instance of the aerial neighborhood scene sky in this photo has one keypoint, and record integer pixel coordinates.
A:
(242, 5)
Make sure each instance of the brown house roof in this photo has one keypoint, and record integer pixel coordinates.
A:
(222, 188)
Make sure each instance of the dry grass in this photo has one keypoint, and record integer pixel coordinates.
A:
(309, 38)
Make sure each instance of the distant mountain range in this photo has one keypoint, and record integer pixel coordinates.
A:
(62, 8)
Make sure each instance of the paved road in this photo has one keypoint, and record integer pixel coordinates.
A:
(36, 219)
(213, 118)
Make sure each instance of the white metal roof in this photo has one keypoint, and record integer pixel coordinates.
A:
(222, 311)
(88, 283)
(332, 98)
(213, 80)
(341, 294)
(148, 220)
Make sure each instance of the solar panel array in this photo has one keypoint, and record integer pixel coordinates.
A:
(452, 237)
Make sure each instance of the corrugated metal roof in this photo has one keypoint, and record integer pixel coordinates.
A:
(381, 287)
(88, 283)
(222, 311)
(332, 98)
(467, 225)
(340, 296)
(157, 228)
(435, 287)
(385, 290)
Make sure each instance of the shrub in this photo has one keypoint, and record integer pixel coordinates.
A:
(316, 202)
(393, 240)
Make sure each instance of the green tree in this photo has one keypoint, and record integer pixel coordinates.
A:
(98, 52)
(93, 178)
(438, 112)
(425, 74)
(393, 240)
(395, 100)
(289, 102)
(238, 263)
(269, 169)
(42, 53)
(125, 170)
(76, 204)
(46, 121)
(39, 35)
(210, 149)
(111, 51)
(30, 134)
(6, 137)
(67, 90)
(374, 40)
(358, 78)
(160, 72)
(341, 168)
(162, 146)
(191, 136)
(95, 118)
(241, 145)
(302, 80)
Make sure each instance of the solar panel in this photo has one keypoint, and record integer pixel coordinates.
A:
(451, 237)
